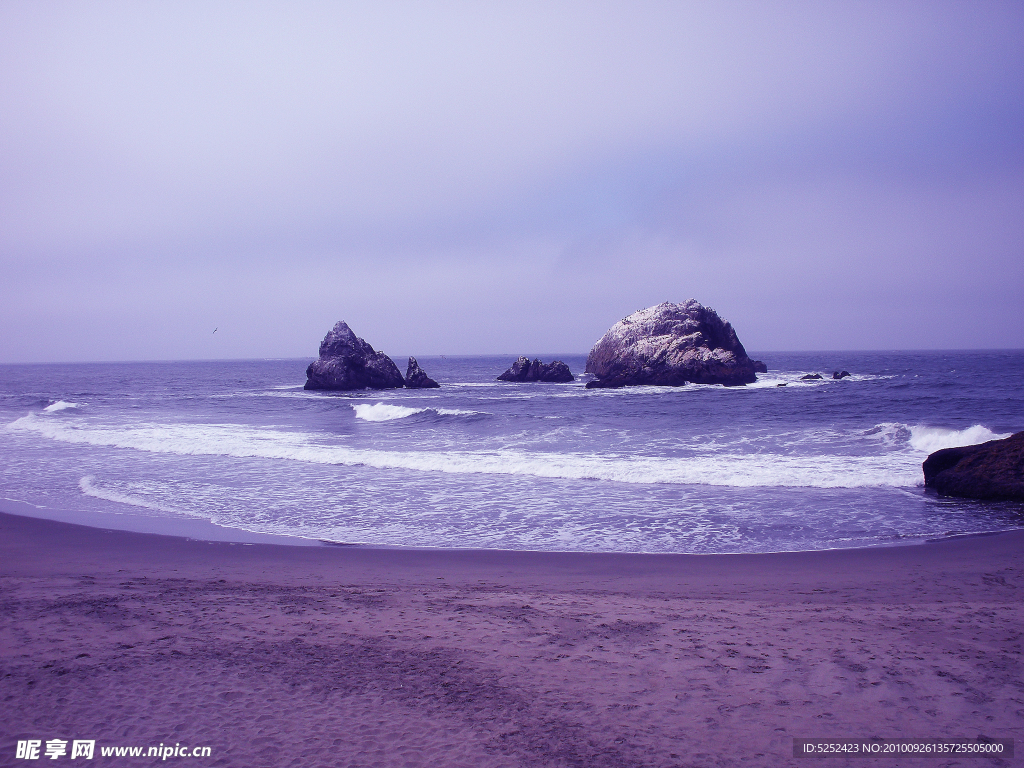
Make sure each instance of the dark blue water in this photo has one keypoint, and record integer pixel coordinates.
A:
(481, 463)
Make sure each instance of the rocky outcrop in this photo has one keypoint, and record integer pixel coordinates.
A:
(348, 362)
(518, 371)
(992, 470)
(835, 375)
(671, 345)
(524, 370)
(416, 377)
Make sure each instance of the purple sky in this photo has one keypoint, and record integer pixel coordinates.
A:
(513, 178)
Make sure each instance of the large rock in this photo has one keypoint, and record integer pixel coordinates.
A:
(671, 345)
(416, 377)
(348, 362)
(523, 370)
(992, 470)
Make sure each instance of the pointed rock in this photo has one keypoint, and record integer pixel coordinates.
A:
(416, 377)
(347, 362)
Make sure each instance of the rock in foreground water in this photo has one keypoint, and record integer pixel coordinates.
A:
(992, 470)
(671, 345)
(347, 362)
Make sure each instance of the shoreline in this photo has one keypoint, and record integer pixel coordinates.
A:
(204, 530)
(350, 656)
(825, 566)
(182, 527)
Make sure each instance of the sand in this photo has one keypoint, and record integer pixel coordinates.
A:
(335, 656)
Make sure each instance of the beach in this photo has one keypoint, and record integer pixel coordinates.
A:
(511, 385)
(275, 655)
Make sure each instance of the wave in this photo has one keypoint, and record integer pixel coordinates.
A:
(385, 412)
(930, 439)
(60, 405)
(901, 469)
(89, 488)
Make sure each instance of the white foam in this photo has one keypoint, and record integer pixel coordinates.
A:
(60, 405)
(385, 412)
(893, 469)
(296, 392)
(453, 412)
(89, 488)
(930, 439)
(892, 433)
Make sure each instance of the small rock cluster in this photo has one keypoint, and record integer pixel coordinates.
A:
(835, 375)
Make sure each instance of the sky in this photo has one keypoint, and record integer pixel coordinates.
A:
(514, 177)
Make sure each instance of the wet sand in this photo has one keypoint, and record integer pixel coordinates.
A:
(341, 656)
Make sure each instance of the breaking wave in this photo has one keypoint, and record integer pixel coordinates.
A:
(60, 405)
(385, 412)
(895, 469)
(931, 439)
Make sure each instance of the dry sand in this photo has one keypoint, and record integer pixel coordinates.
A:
(309, 656)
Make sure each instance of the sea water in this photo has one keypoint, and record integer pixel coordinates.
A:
(487, 464)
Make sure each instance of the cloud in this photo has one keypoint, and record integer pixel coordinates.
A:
(280, 166)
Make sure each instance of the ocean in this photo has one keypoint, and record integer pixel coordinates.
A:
(480, 463)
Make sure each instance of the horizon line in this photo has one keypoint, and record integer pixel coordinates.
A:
(513, 355)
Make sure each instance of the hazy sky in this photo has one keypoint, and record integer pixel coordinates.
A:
(506, 177)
